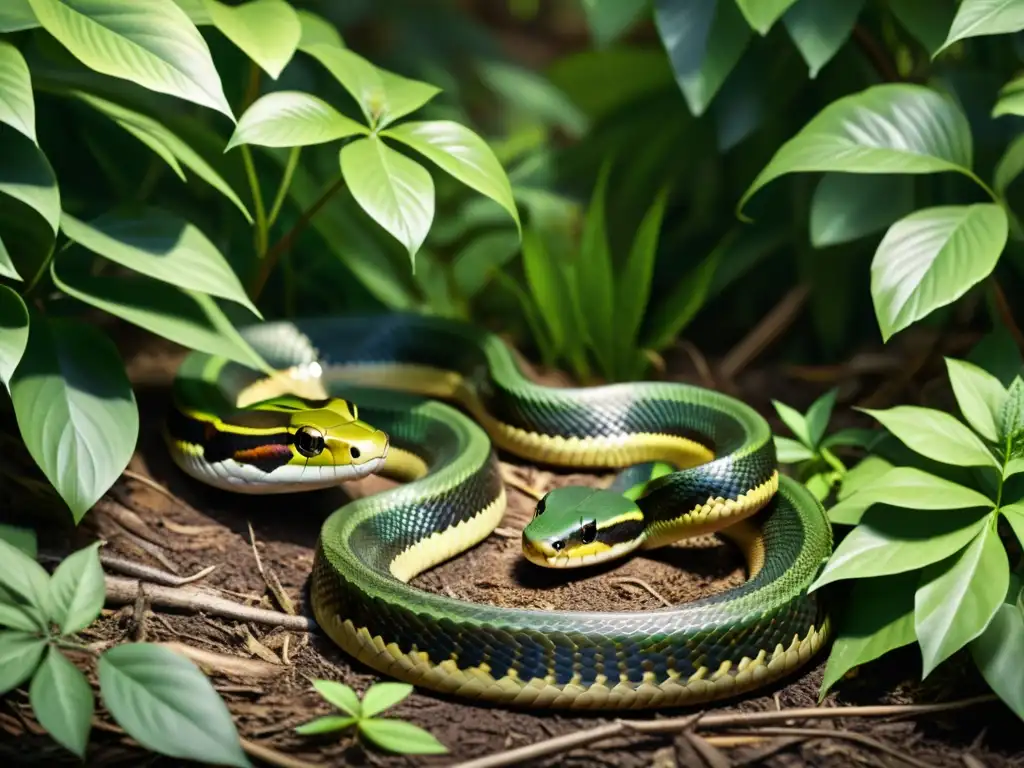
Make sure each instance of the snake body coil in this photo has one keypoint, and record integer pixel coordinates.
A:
(454, 497)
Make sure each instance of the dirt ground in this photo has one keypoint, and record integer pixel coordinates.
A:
(270, 693)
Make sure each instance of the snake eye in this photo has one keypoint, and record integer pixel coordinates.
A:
(309, 442)
(540, 508)
(558, 546)
(588, 532)
(354, 452)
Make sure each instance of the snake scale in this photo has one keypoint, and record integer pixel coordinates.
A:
(359, 395)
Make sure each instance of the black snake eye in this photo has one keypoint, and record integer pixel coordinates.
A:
(354, 452)
(540, 508)
(558, 546)
(309, 442)
(588, 532)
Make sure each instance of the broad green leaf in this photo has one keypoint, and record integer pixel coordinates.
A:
(196, 11)
(885, 544)
(186, 317)
(1010, 165)
(24, 584)
(167, 705)
(168, 145)
(820, 485)
(399, 736)
(849, 206)
(795, 420)
(316, 30)
(395, 191)
(608, 19)
(926, 20)
(326, 724)
(17, 615)
(161, 245)
(461, 153)
(26, 175)
(634, 282)
(20, 654)
(909, 488)
(979, 394)
(381, 696)
(862, 475)
(889, 128)
(597, 277)
(292, 119)
(267, 31)
(16, 15)
(382, 95)
(935, 435)
(17, 107)
(762, 14)
(984, 17)
(818, 415)
(13, 332)
(790, 451)
(933, 257)
(150, 42)
(340, 695)
(1013, 467)
(878, 618)
(75, 409)
(547, 286)
(819, 28)
(957, 598)
(1011, 99)
(77, 590)
(23, 539)
(1014, 514)
(475, 264)
(998, 652)
(63, 703)
(7, 268)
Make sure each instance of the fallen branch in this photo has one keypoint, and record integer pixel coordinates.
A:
(122, 591)
(859, 738)
(225, 664)
(273, 757)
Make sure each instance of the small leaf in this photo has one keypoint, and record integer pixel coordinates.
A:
(292, 119)
(13, 332)
(150, 42)
(325, 725)
(461, 153)
(998, 652)
(19, 657)
(77, 590)
(609, 19)
(267, 31)
(979, 394)
(935, 435)
(796, 422)
(820, 28)
(1010, 165)
(820, 485)
(167, 705)
(62, 700)
(75, 409)
(24, 584)
(762, 14)
(933, 257)
(984, 17)
(395, 191)
(858, 438)
(818, 415)
(1010, 102)
(1014, 514)
(889, 128)
(340, 695)
(316, 30)
(957, 598)
(17, 107)
(790, 451)
(381, 696)
(1010, 422)
(848, 206)
(16, 15)
(26, 175)
(23, 539)
(398, 736)
(635, 279)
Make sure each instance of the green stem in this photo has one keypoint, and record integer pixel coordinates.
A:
(261, 236)
(286, 182)
(1002, 474)
(988, 190)
(43, 268)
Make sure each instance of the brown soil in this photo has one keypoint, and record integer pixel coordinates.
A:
(203, 527)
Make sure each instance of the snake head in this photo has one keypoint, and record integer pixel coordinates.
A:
(332, 438)
(577, 525)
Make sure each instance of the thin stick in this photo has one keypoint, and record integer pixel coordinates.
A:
(643, 585)
(273, 757)
(772, 325)
(154, 485)
(154, 575)
(827, 733)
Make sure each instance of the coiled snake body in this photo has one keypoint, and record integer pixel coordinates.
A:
(239, 429)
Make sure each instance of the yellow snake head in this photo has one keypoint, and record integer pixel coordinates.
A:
(576, 526)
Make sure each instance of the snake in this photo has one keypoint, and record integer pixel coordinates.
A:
(432, 403)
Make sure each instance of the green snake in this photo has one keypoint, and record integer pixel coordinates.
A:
(354, 396)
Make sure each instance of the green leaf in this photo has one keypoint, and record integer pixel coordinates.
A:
(848, 206)
(395, 191)
(24, 585)
(864, 474)
(547, 286)
(167, 705)
(340, 695)
(634, 283)
(675, 312)
(884, 544)
(984, 17)
(17, 107)
(77, 590)
(1011, 100)
(7, 268)
(818, 415)
(790, 451)
(382, 95)
(957, 598)
(878, 618)
(1014, 514)
(267, 31)
(762, 14)
(927, 20)
(23, 539)
(62, 700)
(150, 42)
(325, 725)
(475, 264)
(1010, 164)
(75, 409)
(979, 394)
(795, 420)
(168, 145)
(935, 435)
(16, 15)
(316, 30)
(910, 488)
(933, 257)
(820, 485)
(292, 119)
(819, 28)
(13, 332)
(381, 696)
(20, 654)
(398, 736)
(161, 245)
(26, 175)
(608, 19)
(858, 438)
(998, 652)
(185, 317)
(461, 153)
(889, 128)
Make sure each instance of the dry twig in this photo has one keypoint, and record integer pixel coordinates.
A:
(273, 757)
(643, 585)
(237, 666)
(859, 738)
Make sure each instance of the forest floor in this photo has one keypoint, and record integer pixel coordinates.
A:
(264, 672)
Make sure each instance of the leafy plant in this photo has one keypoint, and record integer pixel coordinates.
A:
(386, 733)
(159, 698)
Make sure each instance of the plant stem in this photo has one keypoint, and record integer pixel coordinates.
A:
(262, 229)
(43, 268)
(286, 182)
